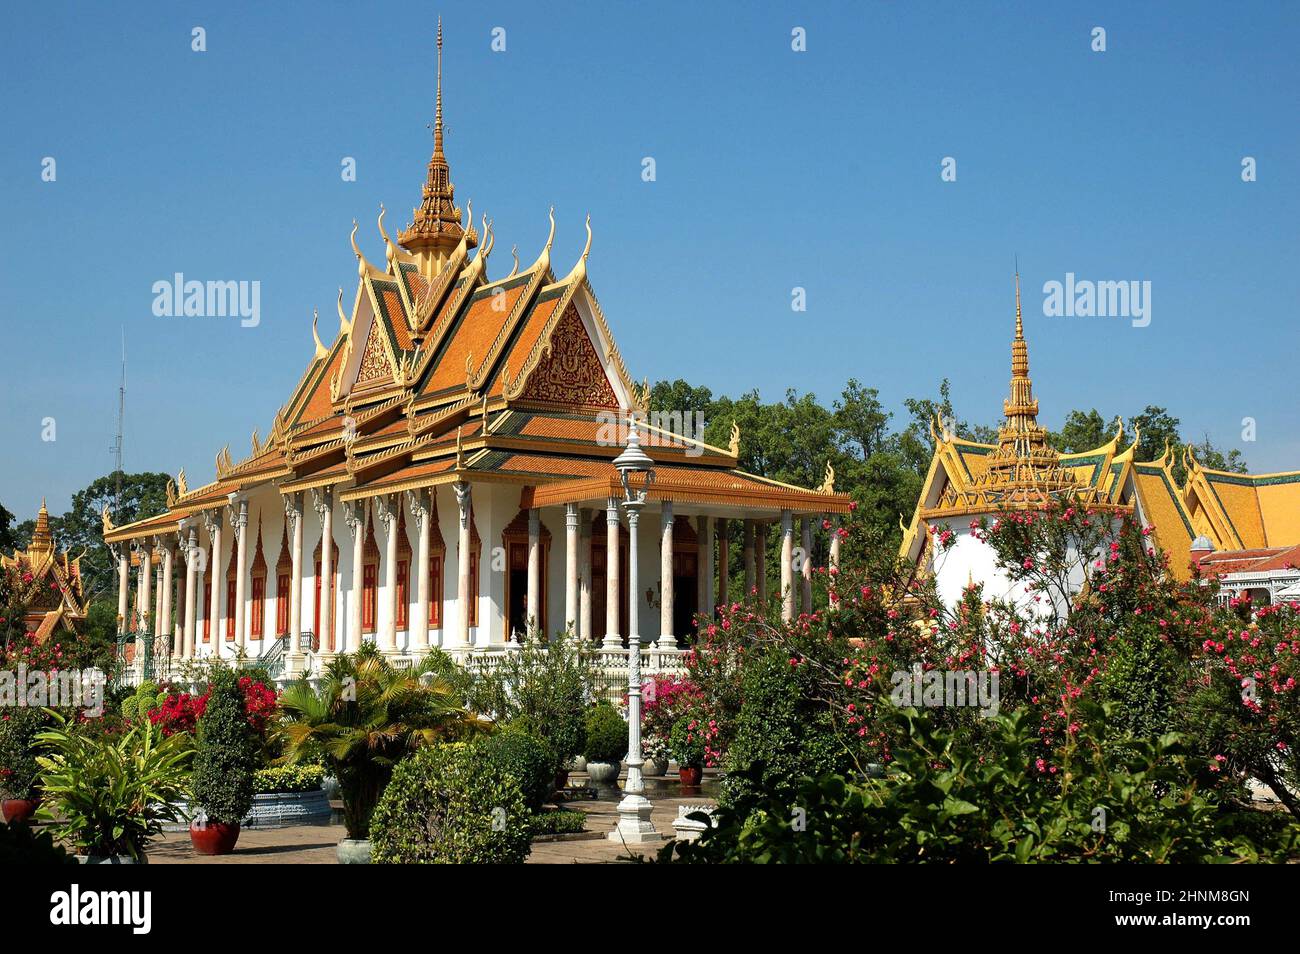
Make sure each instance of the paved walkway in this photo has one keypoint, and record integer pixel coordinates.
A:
(315, 844)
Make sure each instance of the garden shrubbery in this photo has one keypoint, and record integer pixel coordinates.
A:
(227, 753)
(606, 734)
(527, 759)
(451, 804)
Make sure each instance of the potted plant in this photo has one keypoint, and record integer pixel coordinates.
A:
(606, 743)
(223, 767)
(286, 795)
(108, 795)
(363, 719)
(665, 700)
(19, 773)
(688, 748)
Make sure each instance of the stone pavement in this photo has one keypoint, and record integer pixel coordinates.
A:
(315, 844)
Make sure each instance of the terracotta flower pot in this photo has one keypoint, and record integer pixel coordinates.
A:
(213, 838)
(18, 809)
(690, 776)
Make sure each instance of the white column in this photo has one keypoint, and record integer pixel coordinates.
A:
(571, 568)
(584, 575)
(760, 557)
(387, 512)
(724, 561)
(142, 605)
(806, 603)
(213, 521)
(420, 506)
(667, 639)
(293, 514)
(634, 810)
(189, 633)
(833, 567)
(239, 520)
(459, 638)
(748, 550)
(165, 627)
(613, 640)
(534, 606)
(787, 565)
(324, 504)
(704, 566)
(123, 585)
(355, 516)
(159, 628)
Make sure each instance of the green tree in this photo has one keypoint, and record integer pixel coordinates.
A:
(1082, 430)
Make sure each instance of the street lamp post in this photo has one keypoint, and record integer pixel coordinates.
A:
(634, 824)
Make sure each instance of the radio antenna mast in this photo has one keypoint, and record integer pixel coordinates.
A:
(117, 444)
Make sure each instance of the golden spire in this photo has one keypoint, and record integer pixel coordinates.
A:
(1024, 464)
(42, 539)
(435, 228)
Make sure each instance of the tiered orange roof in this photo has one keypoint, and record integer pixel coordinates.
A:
(440, 373)
(47, 582)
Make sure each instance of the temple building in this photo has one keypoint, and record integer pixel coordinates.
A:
(48, 583)
(441, 476)
(1244, 529)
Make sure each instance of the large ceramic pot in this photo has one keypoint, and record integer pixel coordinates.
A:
(603, 773)
(354, 851)
(18, 809)
(690, 776)
(577, 764)
(654, 768)
(213, 838)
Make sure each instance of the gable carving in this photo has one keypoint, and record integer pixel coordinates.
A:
(571, 371)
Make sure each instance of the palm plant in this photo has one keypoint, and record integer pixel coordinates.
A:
(110, 795)
(363, 719)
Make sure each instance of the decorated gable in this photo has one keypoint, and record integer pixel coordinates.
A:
(570, 371)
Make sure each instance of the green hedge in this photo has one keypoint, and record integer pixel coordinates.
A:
(606, 734)
(227, 753)
(451, 804)
(19, 773)
(528, 760)
(288, 779)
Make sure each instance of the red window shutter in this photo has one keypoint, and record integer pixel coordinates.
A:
(259, 607)
(230, 610)
(368, 599)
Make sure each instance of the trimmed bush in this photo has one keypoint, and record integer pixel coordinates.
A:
(451, 804)
(606, 734)
(129, 705)
(562, 822)
(227, 753)
(528, 760)
(288, 779)
(19, 773)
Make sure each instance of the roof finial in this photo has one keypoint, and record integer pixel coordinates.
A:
(1020, 328)
(437, 110)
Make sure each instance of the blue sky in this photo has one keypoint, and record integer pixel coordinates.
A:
(775, 169)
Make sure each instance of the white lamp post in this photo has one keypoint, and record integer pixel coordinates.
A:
(634, 825)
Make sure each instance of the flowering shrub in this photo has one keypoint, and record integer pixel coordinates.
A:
(665, 699)
(692, 739)
(180, 712)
